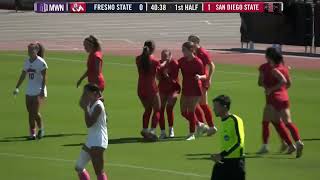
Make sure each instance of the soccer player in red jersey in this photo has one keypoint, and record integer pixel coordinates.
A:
(94, 63)
(265, 81)
(169, 89)
(279, 98)
(209, 68)
(148, 91)
(193, 74)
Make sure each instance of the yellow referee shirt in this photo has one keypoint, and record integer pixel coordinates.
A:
(232, 137)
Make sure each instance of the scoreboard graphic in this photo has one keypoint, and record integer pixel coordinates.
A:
(160, 7)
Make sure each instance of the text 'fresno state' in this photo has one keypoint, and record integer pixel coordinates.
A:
(112, 7)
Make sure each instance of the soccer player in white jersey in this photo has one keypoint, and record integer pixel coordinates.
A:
(35, 68)
(97, 139)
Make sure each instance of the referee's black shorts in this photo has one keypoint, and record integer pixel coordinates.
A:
(230, 169)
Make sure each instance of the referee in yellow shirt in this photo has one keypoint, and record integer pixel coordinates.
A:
(230, 162)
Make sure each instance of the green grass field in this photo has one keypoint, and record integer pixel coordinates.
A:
(127, 157)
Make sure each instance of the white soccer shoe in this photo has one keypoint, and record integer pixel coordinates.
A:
(263, 150)
(171, 132)
(191, 137)
(300, 146)
(202, 129)
(211, 131)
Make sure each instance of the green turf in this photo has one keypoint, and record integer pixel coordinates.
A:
(53, 157)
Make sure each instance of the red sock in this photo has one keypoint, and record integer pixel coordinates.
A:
(280, 127)
(146, 118)
(265, 132)
(155, 119)
(84, 175)
(192, 121)
(294, 131)
(161, 120)
(102, 176)
(185, 114)
(170, 115)
(208, 114)
(200, 114)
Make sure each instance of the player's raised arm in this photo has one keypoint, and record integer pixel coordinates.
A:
(92, 119)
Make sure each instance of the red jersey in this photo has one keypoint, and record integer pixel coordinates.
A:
(189, 69)
(203, 54)
(282, 93)
(169, 84)
(266, 69)
(147, 86)
(91, 69)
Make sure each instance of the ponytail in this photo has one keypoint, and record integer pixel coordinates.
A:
(40, 49)
(145, 63)
(148, 49)
(37, 47)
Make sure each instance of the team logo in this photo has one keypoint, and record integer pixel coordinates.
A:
(226, 138)
(78, 7)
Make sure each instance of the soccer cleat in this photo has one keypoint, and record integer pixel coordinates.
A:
(171, 132)
(32, 137)
(144, 133)
(291, 149)
(40, 134)
(283, 147)
(299, 149)
(191, 137)
(152, 136)
(211, 131)
(202, 129)
(163, 136)
(263, 150)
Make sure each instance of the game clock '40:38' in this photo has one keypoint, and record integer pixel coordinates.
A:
(165, 7)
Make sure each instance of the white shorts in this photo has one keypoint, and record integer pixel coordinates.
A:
(36, 93)
(97, 141)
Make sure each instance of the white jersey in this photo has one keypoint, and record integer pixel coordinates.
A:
(33, 70)
(98, 133)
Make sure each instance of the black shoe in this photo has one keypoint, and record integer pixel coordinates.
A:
(30, 138)
(40, 134)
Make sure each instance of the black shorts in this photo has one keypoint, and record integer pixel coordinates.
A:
(230, 169)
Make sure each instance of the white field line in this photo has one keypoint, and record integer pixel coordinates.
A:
(24, 156)
(132, 65)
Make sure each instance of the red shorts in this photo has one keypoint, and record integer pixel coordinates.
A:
(173, 93)
(188, 93)
(278, 104)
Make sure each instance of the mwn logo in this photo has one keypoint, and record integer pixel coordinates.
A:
(52, 7)
(78, 7)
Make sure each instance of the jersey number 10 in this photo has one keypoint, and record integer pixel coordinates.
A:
(31, 75)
